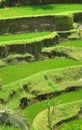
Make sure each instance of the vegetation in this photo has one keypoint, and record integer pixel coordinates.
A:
(75, 124)
(54, 81)
(2, 63)
(7, 117)
(25, 38)
(70, 109)
(34, 109)
(64, 51)
(75, 43)
(7, 73)
(48, 92)
(28, 11)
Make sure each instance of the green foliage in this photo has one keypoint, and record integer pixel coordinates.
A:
(36, 108)
(39, 10)
(7, 117)
(37, 82)
(18, 82)
(51, 113)
(70, 110)
(13, 58)
(1, 83)
(7, 73)
(2, 63)
(63, 22)
(72, 125)
(70, 43)
(64, 51)
(25, 38)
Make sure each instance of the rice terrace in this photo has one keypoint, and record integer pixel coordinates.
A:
(40, 64)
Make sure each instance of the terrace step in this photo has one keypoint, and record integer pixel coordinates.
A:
(40, 10)
(27, 43)
(74, 53)
(18, 86)
(39, 18)
(72, 124)
(65, 111)
(28, 69)
(26, 87)
(34, 24)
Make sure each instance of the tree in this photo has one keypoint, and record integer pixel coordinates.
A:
(8, 117)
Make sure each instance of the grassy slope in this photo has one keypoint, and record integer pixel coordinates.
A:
(38, 10)
(32, 111)
(8, 128)
(62, 111)
(73, 125)
(25, 38)
(75, 43)
(76, 96)
(71, 48)
(57, 80)
(16, 72)
(36, 108)
(71, 52)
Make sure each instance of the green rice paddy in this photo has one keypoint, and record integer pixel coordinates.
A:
(70, 43)
(58, 71)
(33, 110)
(25, 38)
(16, 72)
(29, 11)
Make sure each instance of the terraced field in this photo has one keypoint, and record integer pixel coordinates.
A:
(42, 10)
(41, 65)
(25, 38)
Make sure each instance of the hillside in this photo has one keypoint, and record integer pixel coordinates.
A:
(41, 64)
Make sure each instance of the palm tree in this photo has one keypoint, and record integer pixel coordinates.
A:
(8, 117)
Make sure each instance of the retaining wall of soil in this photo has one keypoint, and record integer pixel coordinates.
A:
(48, 96)
(33, 24)
(55, 127)
(77, 16)
(75, 117)
(32, 48)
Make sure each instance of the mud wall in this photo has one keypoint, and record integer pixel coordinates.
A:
(77, 16)
(33, 24)
(32, 48)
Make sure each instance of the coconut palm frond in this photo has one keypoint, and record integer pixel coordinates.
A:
(19, 121)
(9, 117)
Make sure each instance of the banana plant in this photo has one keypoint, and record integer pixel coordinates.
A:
(8, 117)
